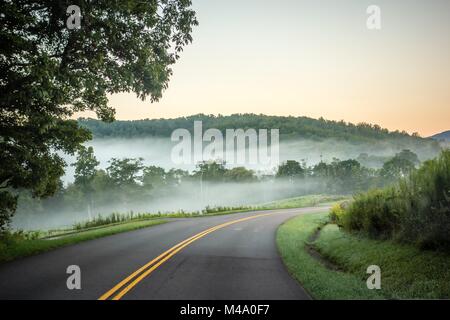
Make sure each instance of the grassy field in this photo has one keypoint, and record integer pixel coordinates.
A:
(406, 272)
(16, 246)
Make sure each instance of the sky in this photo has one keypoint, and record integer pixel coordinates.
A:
(314, 58)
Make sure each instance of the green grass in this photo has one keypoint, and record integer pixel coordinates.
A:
(406, 272)
(320, 282)
(115, 217)
(303, 201)
(16, 246)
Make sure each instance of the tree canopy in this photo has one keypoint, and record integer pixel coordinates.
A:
(290, 127)
(48, 72)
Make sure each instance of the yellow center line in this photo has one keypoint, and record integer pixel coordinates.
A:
(149, 267)
(137, 272)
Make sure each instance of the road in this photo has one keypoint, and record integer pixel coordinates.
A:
(237, 260)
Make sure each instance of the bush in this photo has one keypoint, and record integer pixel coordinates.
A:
(415, 210)
(337, 211)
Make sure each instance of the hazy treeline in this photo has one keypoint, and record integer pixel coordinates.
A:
(416, 209)
(295, 127)
(127, 184)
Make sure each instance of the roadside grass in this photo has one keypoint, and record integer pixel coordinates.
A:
(16, 246)
(319, 281)
(304, 201)
(114, 218)
(117, 218)
(406, 272)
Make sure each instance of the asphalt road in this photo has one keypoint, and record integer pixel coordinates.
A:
(237, 261)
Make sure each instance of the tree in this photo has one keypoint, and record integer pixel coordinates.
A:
(240, 174)
(396, 168)
(85, 172)
(85, 168)
(290, 169)
(48, 72)
(125, 172)
(175, 176)
(399, 166)
(210, 170)
(154, 177)
(408, 155)
(320, 170)
(125, 177)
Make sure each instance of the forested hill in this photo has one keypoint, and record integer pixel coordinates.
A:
(295, 127)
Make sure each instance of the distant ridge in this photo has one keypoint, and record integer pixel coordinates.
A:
(445, 135)
(295, 127)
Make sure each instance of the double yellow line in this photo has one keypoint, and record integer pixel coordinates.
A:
(120, 289)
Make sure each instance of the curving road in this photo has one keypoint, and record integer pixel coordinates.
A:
(236, 260)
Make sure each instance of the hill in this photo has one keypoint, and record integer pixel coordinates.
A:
(443, 136)
(294, 127)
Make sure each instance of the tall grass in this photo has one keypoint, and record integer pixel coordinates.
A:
(115, 217)
(414, 210)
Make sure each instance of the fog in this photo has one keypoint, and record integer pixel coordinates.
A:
(157, 151)
(194, 196)
(187, 197)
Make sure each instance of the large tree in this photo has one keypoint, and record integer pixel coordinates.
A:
(48, 71)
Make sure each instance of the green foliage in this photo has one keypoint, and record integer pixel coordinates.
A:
(117, 218)
(125, 172)
(406, 271)
(85, 167)
(210, 170)
(415, 210)
(294, 127)
(347, 176)
(314, 276)
(48, 72)
(8, 203)
(291, 169)
(303, 201)
(399, 166)
(337, 211)
(408, 155)
(154, 177)
(240, 174)
(215, 171)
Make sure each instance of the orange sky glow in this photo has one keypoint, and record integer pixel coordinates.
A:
(315, 59)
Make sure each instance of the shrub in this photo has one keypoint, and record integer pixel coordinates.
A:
(337, 211)
(415, 210)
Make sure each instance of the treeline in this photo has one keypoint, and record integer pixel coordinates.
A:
(128, 182)
(415, 210)
(302, 127)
